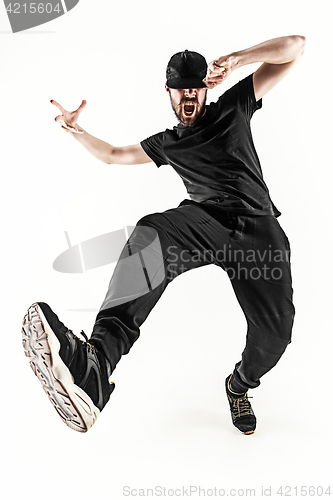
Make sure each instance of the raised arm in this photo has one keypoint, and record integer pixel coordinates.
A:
(278, 56)
(126, 155)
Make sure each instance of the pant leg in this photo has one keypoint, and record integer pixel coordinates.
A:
(261, 278)
(253, 250)
(162, 246)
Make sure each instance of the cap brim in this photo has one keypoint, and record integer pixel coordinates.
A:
(186, 83)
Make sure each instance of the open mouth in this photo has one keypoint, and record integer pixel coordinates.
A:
(189, 107)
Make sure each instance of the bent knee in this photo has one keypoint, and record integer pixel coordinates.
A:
(150, 220)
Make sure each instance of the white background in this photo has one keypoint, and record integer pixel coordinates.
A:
(168, 421)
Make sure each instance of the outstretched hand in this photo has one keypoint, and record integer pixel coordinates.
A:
(219, 70)
(68, 119)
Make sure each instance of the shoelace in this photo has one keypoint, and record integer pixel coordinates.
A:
(90, 347)
(241, 406)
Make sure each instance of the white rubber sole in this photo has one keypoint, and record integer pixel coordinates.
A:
(41, 345)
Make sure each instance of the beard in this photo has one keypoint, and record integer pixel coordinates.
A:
(189, 121)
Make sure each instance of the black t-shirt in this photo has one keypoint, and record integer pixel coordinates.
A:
(216, 157)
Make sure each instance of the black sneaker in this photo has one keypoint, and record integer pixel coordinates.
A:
(75, 376)
(242, 414)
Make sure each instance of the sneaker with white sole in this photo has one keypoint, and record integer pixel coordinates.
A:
(74, 374)
(242, 414)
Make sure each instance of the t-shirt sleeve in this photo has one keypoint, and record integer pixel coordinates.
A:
(153, 146)
(242, 95)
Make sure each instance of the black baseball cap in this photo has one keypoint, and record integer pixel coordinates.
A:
(186, 70)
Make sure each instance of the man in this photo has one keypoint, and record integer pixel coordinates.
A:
(230, 221)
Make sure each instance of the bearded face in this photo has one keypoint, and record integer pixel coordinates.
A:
(189, 105)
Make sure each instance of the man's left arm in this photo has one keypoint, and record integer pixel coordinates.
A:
(278, 56)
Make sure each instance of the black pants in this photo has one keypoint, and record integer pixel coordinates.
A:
(253, 250)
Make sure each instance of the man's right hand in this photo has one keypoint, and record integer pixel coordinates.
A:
(68, 119)
(124, 155)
